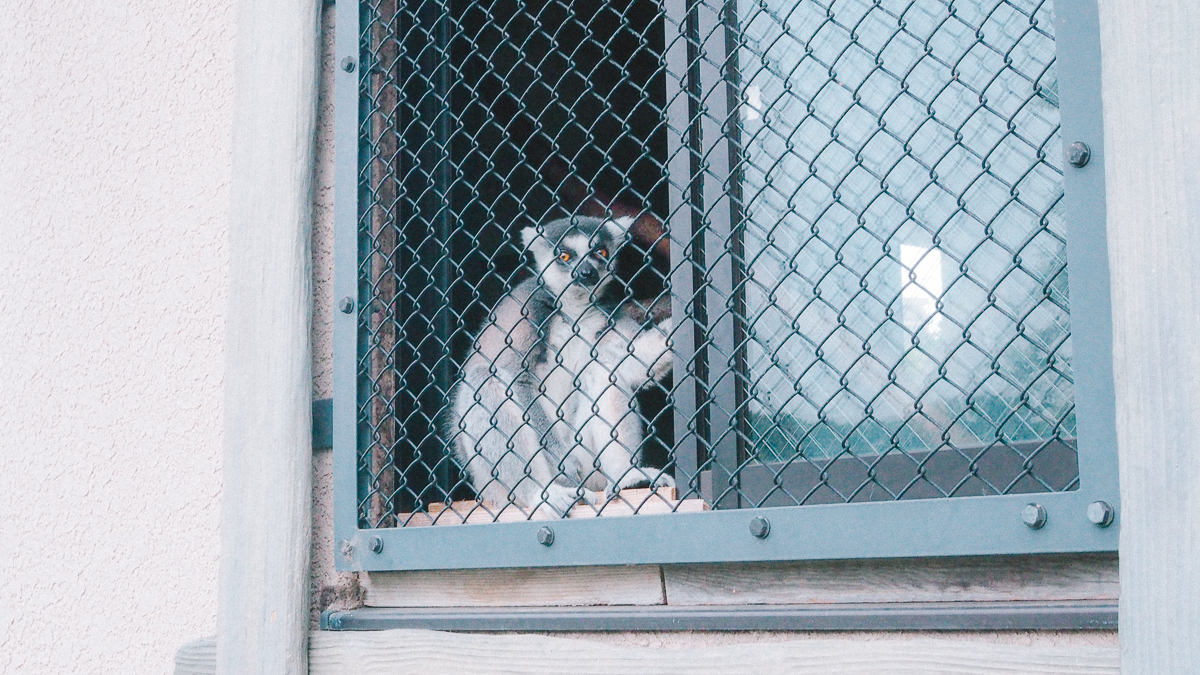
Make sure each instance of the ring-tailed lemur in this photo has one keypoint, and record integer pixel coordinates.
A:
(544, 406)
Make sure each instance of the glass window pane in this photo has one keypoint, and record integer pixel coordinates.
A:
(905, 260)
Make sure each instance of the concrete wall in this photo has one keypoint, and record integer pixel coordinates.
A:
(114, 195)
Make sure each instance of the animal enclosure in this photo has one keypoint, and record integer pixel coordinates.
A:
(846, 218)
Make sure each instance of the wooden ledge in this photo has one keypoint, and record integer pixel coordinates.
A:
(418, 651)
(644, 501)
(423, 651)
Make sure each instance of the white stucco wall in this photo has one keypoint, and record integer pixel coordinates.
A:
(114, 196)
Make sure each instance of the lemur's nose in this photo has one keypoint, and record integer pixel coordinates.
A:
(587, 273)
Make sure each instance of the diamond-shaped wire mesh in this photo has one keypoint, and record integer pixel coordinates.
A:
(846, 238)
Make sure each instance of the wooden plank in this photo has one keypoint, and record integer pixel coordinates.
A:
(263, 595)
(420, 652)
(643, 501)
(1150, 50)
(528, 587)
(1044, 577)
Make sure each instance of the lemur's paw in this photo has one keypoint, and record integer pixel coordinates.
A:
(639, 478)
(560, 498)
(664, 480)
(662, 367)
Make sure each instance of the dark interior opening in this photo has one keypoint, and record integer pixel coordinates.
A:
(507, 114)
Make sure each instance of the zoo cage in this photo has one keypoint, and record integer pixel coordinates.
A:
(858, 215)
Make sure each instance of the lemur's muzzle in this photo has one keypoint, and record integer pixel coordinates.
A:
(586, 273)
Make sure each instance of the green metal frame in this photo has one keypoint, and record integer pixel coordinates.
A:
(932, 527)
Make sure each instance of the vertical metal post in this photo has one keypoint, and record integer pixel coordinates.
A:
(737, 292)
(716, 238)
(1077, 61)
(699, 105)
(425, 221)
(681, 162)
(434, 451)
(350, 430)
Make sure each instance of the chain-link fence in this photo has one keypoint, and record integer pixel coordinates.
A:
(813, 252)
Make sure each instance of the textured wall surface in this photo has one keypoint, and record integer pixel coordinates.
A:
(115, 137)
(322, 236)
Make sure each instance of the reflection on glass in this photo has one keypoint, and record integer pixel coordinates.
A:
(904, 243)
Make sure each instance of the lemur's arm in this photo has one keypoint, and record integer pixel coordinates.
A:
(657, 312)
(637, 353)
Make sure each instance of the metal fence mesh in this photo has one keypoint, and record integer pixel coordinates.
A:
(843, 217)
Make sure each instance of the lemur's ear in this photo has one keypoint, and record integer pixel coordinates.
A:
(528, 236)
(619, 227)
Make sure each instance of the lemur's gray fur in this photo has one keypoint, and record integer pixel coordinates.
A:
(545, 406)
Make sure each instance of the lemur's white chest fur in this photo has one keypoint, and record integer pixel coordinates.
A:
(595, 364)
(545, 404)
(577, 364)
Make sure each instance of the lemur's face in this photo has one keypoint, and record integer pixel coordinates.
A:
(576, 251)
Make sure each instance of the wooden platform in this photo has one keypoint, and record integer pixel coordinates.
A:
(423, 651)
(644, 501)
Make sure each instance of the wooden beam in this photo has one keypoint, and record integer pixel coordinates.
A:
(532, 587)
(435, 653)
(998, 578)
(421, 652)
(1151, 91)
(263, 608)
(984, 578)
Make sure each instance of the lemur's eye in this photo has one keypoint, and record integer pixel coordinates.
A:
(602, 252)
(564, 256)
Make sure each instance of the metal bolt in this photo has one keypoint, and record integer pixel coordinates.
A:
(377, 544)
(347, 550)
(346, 305)
(1034, 515)
(1078, 153)
(1101, 513)
(348, 64)
(760, 527)
(545, 536)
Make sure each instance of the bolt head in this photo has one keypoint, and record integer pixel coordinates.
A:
(1034, 515)
(1101, 513)
(760, 527)
(1078, 154)
(348, 64)
(377, 544)
(545, 536)
(346, 305)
